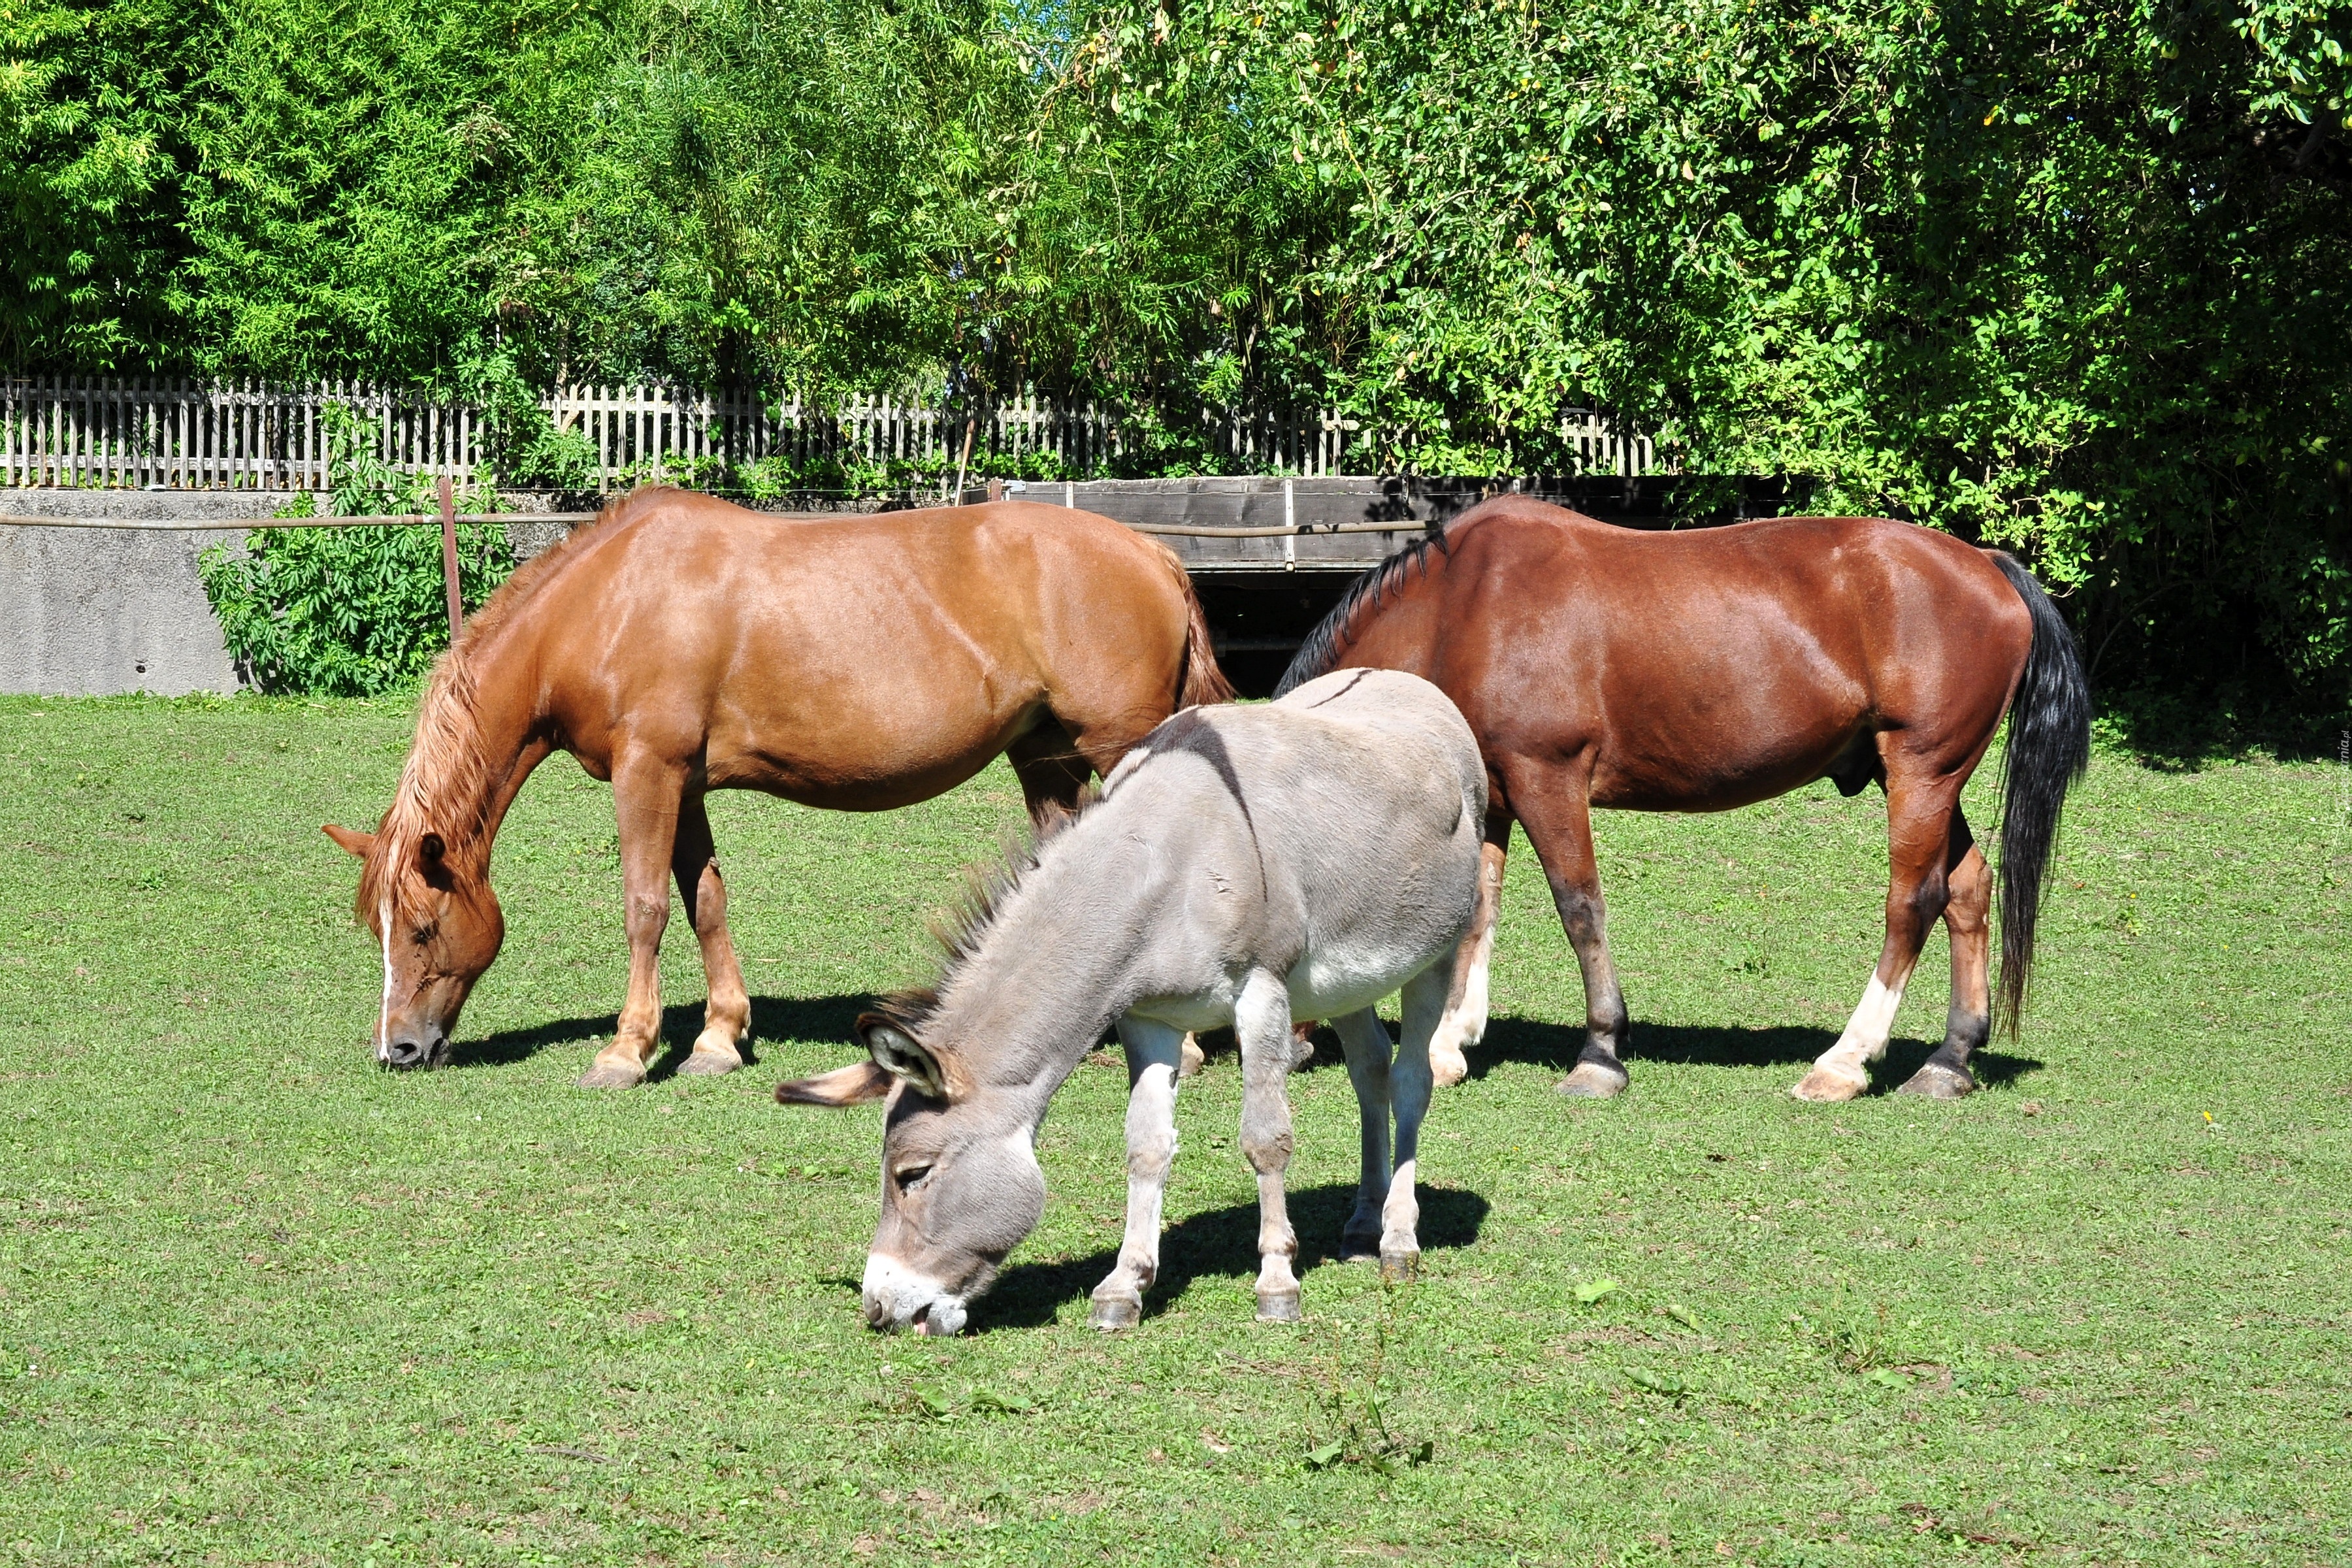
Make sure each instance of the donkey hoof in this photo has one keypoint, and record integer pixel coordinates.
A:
(1400, 1268)
(1937, 1082)
(612, 1075)
(1594, 1080)
(1277, 1307)
(1188, 1059)
(1447, 1066)
(1112, 1313)
(1825, 1087)
(709, 1062)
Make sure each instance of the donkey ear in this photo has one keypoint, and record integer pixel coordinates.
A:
(352, 842)
(902, 1055)
(846, 1086)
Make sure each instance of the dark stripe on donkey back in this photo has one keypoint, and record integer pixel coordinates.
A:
(2049, 749)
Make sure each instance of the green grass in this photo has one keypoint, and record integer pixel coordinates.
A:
(262, 1303)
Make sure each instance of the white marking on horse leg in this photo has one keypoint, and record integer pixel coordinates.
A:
(1843, 1072)
(384, 1013)
(1154, 1051)
(1366, 1044)
(1262, 1020)
(1464, 1023)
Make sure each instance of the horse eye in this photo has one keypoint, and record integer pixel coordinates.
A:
(912, 1177)
(423, 935)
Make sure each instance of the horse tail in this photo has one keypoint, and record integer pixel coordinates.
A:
(1199, 680)
(2049, 749)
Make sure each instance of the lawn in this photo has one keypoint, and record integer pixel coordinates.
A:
(261, 1302)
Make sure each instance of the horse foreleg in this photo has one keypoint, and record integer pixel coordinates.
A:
(1918, 829)
(1262, 1020)
(1409, 1086)
(1969, 1023)
(1151, 1071)
(727, 1012)
(1366, 1043)
(645, 798)
(1464, 1021)
(1552, 807)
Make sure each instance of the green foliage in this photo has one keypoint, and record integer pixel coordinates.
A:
(350, 612)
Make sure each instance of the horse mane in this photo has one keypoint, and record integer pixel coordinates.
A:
(447, 783)
(989, 886)
(1319, 654)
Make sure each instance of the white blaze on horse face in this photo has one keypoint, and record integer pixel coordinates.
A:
(384, 1013)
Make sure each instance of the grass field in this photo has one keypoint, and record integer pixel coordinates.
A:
(262, 1303)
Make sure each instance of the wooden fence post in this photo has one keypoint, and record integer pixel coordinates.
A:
(449, 559)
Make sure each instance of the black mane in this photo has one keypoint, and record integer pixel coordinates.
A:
(1320, 652)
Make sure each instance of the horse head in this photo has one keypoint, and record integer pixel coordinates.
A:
(439, 926)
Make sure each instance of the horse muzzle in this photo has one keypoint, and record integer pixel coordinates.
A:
(411, 1050)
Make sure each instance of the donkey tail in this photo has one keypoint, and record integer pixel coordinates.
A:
(2049, 749)
(1201, 681)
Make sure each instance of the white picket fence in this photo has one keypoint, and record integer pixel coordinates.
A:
(179, 434)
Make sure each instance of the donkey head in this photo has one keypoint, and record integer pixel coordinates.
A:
(439, 926)
(960, 1185)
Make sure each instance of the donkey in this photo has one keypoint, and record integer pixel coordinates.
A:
(682, 644)
(1250, 866)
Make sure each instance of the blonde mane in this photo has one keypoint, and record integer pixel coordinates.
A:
(447, 784)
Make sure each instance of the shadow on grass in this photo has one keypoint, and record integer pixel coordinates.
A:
(773, 1018)
(1220, 1243)
(1555, 1046)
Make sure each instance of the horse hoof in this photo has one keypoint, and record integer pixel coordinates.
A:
(1447, 1067)
(1400, 1268)
(1188, 1059)
(1825, 1087)
(1592, 1081)
(612, 1075)
(1937, 1082)
(1281, 1307)
(1111, 1314)
(1359, 1248)
(707, 1063)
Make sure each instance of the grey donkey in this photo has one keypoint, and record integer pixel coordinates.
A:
(1250, 866)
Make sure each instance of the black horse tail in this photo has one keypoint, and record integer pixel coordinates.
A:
(2049, 749)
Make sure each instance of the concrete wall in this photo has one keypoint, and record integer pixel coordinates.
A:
(94, 612)
(89, 612)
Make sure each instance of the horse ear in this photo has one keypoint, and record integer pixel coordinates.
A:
(352, 842)
(846, 1086)
(902, 1055)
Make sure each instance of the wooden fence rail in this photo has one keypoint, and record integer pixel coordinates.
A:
(179, 434)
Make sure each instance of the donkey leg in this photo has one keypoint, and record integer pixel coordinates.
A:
(1409, 1086)
(1464, 1023)
(727, 1013)
(645, 798)
(1969, 1023)
(1366, 1043)
(1152, 1056)
(1262, 1020)
(1551, 806)
(1918, 829)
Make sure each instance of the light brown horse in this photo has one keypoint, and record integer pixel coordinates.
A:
(682, 644)
(1711, 669)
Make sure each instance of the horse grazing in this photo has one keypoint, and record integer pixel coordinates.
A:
(1713, 669)
(1250, 866)
(682, 644)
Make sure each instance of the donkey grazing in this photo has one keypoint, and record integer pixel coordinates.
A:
(1244, 866)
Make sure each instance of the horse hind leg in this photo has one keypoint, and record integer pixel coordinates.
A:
(727, 1013)
(1918, 830)
(1968, 1023)
(1463, 1022)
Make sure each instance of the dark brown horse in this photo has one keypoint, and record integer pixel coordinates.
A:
(1712, 669)
(681, 644)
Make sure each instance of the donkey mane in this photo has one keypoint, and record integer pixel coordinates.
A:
(447, 783)
(988, 888)
(1320, 652)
